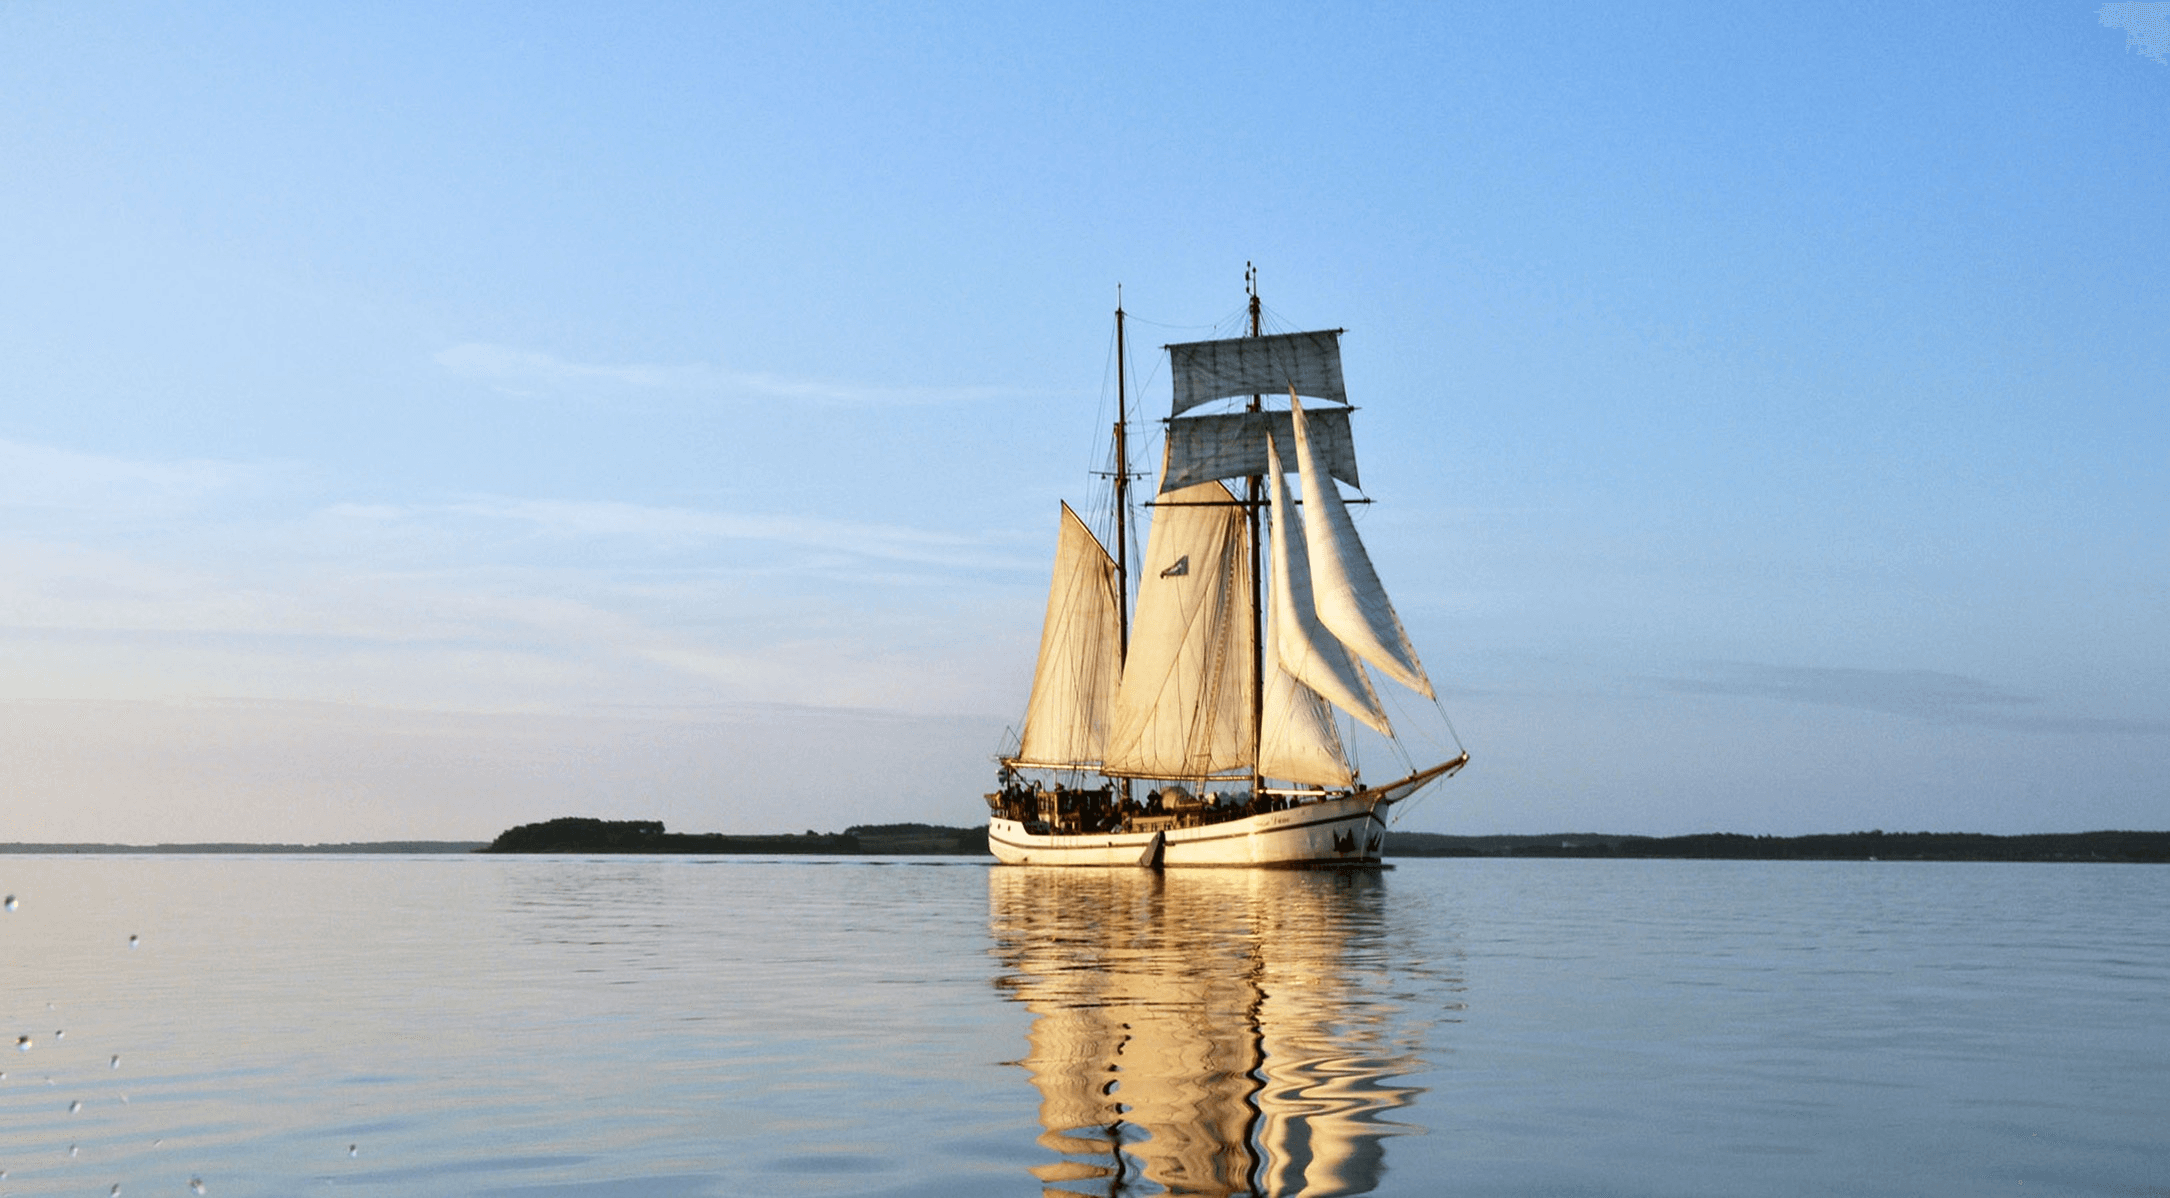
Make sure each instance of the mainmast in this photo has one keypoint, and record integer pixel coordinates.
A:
(1122, 491)
(1258, 629)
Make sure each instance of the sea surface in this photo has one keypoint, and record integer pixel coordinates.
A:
(707, 1026)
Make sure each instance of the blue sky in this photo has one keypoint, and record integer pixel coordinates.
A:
(417, 421)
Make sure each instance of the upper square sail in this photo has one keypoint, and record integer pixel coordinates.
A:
(1309, 363)
(1234, 444)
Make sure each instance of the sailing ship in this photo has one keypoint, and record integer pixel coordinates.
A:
(1218, 696)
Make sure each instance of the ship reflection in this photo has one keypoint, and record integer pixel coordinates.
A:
(1209, 1032)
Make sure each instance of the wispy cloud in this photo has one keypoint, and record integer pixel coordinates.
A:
(1920, 694)
(2146, 26)
(124, 578)
(47, 478)
(692, 526)
(520, 371)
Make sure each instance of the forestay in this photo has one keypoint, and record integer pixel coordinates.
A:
(1184, 707)
(1234, 444)
(1310, 363)
(1073, 687)
(1351, 603)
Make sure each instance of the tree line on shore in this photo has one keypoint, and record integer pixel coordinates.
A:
(1875, 845)
(575, 834)
(578, 834)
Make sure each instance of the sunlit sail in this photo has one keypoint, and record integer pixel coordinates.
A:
(1207, 735)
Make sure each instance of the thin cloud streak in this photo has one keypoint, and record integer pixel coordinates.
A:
(124, 578)
(45, 478)
(1927, 695)
(681, 526)
(511, 369)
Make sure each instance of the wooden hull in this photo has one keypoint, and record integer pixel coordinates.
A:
(1347, 831)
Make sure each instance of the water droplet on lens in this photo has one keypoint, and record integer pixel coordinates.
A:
(131, 942)
(9, 903)
(116, 1061)
(354, 1150)
(75, 1106)
(71, 1150)
(116, 1190)
(22, 1044)
(196, 1184)
(58, 1034)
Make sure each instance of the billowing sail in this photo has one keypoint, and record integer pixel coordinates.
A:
(1073, 688)
(1308, 363)
(1306, 649)
(1233, 445)
(1184, 707)
(1351, 603)
(1300, 743)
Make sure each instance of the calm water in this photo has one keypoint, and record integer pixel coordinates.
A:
(588, 1027)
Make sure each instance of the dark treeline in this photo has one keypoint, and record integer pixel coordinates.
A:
(367, 846)
(580, 835)
(577, 835)
(574, 834)
(1845, 846)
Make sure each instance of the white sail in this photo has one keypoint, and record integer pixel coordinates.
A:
(1184, 707)
(1073, 687)
(1308, 363)
(1351, 603)
(1306, 649)
(1233, 445)
(1300, 743)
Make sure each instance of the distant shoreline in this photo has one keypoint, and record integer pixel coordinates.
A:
(647, 838)
(365, 846)
(2114, 847)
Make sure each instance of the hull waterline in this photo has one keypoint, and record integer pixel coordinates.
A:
(1348, 831)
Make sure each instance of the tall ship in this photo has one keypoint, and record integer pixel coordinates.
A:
(1198, 727)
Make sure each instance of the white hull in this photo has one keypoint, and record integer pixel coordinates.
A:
(1346, 831)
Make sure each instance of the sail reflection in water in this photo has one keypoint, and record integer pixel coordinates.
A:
(1217, 1032)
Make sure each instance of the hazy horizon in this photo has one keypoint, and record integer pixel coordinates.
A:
(419, 422)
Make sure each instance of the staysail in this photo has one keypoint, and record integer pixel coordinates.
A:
(1305, 648)
(1351, 603)
(1073, 687)
(1299, 742)
(1183, 709)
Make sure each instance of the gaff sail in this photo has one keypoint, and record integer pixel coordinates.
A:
(1184, 707)
(1073, 686)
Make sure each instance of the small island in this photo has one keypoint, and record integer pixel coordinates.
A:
(576, 834)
